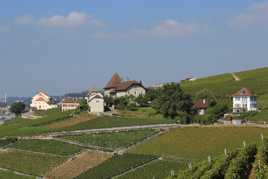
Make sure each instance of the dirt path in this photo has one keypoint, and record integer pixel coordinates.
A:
(236, 78)
(78, 164)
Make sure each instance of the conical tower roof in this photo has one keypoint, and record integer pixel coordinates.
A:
(114, 82)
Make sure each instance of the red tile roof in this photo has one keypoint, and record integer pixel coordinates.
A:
(114, 82)
(201, 104)
(117, 84)
(40, 99)
(127, 84)
(243, 92)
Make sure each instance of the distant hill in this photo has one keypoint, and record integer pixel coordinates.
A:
(223, 86)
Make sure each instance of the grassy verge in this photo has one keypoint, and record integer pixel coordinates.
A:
(47, 146)
(198, 143)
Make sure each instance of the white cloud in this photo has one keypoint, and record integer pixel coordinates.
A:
(74, 19)
(256, 14)
(165, 29)
(172, 28)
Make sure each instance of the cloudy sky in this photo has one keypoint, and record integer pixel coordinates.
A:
(71, 45)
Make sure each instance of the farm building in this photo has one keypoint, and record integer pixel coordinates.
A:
(69, 104)
(201, 105)
(95, 102)
(244, 101)
(117, 87)
(42, 101)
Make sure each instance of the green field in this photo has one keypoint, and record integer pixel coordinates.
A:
(29, 163)
(108, 122)
(47, 146)
(158, 170)
(197, 142)
(223, 86)
(19, 127)
(11, 175)
(112, 140)
(116, 166)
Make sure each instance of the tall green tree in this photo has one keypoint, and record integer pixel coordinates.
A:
(83, 105)
(208, 95)
(172, 101)
(17, 108)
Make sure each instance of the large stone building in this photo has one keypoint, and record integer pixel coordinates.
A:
(95, 102)
(244, 101)
(41, 101)
(117, 87)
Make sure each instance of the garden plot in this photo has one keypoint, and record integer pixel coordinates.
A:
(78, 165)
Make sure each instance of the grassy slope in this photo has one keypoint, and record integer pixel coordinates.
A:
(27, 162)
(112, 140)
(19, 126)
(108, 122)
(157, 170)
(198, 143)
(47, 146)
(223, 86)
(10, 175)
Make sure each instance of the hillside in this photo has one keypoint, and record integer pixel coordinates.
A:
(223, 86)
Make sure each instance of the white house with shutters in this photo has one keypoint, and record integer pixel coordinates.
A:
(244, 101)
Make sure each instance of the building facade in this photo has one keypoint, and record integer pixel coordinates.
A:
(68, 104)
(244, 101)
(95, 102)
(117, 87)
(41, 101)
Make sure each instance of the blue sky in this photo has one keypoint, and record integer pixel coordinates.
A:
(71, 45)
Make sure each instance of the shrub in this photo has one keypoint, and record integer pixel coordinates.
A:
(240, 166)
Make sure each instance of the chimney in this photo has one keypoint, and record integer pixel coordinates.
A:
(204, 101)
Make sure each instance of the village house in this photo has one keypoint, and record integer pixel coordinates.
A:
(244, 101)
(68, 104)
(117, 87)
(95, 102)
(41, 101)
(201, 105)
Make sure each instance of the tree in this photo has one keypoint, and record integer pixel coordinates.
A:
(172, 100)
(17, 108)
(83, 105)
(208, 95)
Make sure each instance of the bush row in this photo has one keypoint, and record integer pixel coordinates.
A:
(220, 166)
(240, 166)
(261, 161)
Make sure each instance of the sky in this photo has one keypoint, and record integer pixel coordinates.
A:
(63, 46)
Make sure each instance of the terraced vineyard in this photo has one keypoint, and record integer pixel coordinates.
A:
(112, 140)
(116, 166)
(246, 162)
